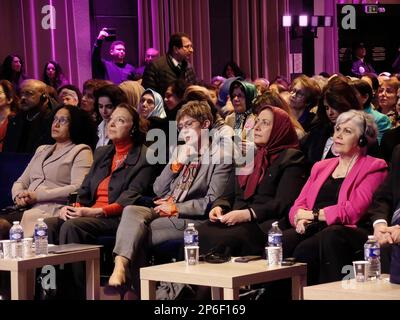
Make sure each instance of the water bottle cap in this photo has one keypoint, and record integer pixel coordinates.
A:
(371, 238)
(40, 219)
(190, 224)
(15, 222)
(275, 224)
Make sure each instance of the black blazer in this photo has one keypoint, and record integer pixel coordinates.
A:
(274, 195)
(128, 182)
(19, 139)
(389, 141)
(386, 197)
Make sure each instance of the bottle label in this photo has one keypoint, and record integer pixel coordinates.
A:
(191, 238)
(372, 252)
(274, 240)
(16, 236)
(41, 233)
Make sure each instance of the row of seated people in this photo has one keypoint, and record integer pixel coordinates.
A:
(193, 181)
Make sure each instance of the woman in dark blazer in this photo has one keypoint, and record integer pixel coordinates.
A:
(119, 176)
(241, 218)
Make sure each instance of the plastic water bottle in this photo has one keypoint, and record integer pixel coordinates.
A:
(41, 242)
(191, 239)
(16, 236)
(372, 254)
(274, 256)
(191, 235)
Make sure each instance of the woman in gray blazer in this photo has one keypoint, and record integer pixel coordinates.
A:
(55, 170)
(194, 178)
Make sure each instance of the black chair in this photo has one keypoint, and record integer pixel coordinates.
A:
(12, 165)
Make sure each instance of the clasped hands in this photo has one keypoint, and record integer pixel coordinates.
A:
(165, 207)
(231, 218)
(69, 212)
(302, 219)
(25, 198)
(385, 234)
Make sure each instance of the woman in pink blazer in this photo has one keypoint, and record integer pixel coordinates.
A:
(335, 197)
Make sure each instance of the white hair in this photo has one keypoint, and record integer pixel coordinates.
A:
(364, 122)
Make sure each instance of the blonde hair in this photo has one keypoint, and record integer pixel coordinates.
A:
(199, 110)
(133, 91)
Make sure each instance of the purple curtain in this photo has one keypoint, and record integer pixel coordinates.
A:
(69, 43)
(158, 19)
(261, 44)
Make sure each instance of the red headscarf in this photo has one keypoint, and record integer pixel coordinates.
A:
(283, 136)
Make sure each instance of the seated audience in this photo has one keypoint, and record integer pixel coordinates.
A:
(107, 98)
(30, 128)
(133, 91)
(240, 219)
(273, 98)
(232, 70)
(53, 75)
(304, 95)
(69, 94)
(88, 100)
(262, 85)
(387, 98)
(9, 105)
(192, 180)
(338, 97)
(173, 99)
(382, 121)
(120, 176)
(335, 197)
(12, 70)
(55, 170)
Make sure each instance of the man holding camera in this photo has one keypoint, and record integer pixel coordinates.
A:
(116, 70)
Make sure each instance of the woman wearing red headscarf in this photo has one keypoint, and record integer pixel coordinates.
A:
(241, 218)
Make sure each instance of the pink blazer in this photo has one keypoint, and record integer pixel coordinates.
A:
(355, 194)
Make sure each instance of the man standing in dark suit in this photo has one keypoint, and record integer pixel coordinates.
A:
(160, 73)
(30, 128)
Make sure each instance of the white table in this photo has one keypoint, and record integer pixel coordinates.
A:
(352, 290)
(225, 279)
(23, 271)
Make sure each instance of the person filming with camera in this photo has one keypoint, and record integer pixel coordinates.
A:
(116, 70)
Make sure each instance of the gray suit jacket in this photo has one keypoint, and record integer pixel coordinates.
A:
(209, 184)
(54, 175)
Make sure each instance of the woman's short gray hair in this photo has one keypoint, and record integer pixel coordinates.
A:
(365, 123)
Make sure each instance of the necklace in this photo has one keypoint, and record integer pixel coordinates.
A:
(338, 176)
(33, 117)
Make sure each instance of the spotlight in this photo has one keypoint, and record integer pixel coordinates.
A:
(328, 21)
(303, 21)
(287, 21)
(314, 21)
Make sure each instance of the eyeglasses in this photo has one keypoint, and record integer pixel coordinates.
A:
(61, 120)
(186, 125)
(297, 93)
(188, 46)
(263, 123)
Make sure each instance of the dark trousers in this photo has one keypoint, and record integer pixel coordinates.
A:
(80, 230)
(238, 240)
(327, 251)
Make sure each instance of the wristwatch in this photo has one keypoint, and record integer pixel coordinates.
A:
(315, 213)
